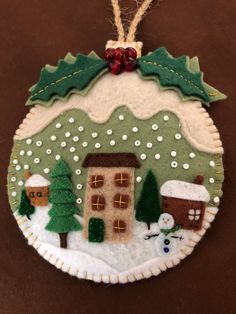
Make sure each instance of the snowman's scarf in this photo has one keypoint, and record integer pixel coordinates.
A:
(172, 230)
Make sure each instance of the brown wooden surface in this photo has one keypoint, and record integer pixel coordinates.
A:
(34, 33)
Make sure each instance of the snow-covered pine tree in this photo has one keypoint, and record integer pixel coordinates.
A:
(25, 209)
(63, 203)
(148, 207)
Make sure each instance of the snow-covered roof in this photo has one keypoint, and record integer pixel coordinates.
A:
(36, 180)
(185, 190)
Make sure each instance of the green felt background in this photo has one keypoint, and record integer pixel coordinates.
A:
(161, 167)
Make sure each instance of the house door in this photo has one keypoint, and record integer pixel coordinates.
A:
(96, 230)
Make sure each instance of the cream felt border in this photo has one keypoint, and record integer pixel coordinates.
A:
(145, 270)
(143, 98)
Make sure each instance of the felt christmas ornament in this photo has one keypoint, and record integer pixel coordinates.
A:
(116, 171)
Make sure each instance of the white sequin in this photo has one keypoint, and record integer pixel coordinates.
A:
(124, 137)
(149, 145)
(192, 155)
(63, 144)
(78, 171)
(72, 149)
(166, 118)
(57, 157)
(143, 156)
(154, 127)
(157, 156)
(112, 143)
(81, 128)
(76, 158)
(29, 153)
(211, 180)
(14, 194)
(26, 167)
(97, 145)
(85, 144)
(137, 143)
(75, 138)
(58, 125)
(94, 135)
(160, 138)
(13, 179)
(79, 200)
(174, 164)
(46, 170)
(79, 186)
(29, 141)
(121, 117)
(15, 161)
(20, 183)
(71, 120)
(173, 153)
(48, 151)
(139, 179)
(18, 167)
(109, 132)
(212, 163)
(178, 136)
(22, 152)
(67, 134)
(216, 199)
(186, 166)
(39, 143)
(36, 160)
(53, 138)
(135, 129)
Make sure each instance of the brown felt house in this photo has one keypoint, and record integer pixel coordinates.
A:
(36, 187)
(185, 202)
(110, 194)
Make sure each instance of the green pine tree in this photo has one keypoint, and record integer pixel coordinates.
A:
(63, 203)
(148, 208)
(25, 209)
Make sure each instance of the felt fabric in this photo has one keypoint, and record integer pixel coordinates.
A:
(96, 230)
(143, 98)
(63, 224)
(25, 207)
(66, 76)
(36, 180)
(38, 196)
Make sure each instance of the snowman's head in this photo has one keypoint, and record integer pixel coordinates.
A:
(166, 221)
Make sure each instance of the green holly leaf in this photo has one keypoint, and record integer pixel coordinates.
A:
(72, 74)
(181, 74)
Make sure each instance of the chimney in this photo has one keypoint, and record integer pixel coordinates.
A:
(27, 175)
(199, 180)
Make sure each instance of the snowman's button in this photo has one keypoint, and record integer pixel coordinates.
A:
(167, 242)
(166, 249)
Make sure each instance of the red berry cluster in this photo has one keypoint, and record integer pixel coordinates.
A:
(121, 59)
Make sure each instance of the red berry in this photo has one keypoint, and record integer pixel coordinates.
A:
(109, 54)
(115, 67)
(130, 52)
(119, 54)
(130, 65)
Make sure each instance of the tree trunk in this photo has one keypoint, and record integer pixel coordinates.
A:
(63, 240)
(148, 225)
(28, 216)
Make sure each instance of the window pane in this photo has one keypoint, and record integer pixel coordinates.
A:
(122, 179)
(121, 201)
(98, 202)
(119, 226)
(96, 181)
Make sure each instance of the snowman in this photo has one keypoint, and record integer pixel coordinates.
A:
(166, 241)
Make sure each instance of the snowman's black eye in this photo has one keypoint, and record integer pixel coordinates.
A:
(166, 241)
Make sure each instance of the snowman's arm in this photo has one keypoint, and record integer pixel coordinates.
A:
(175, 237)
(147, 237)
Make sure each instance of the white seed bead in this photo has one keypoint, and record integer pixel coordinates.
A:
(63, 144)
(79, 200)
(29, 141)
(112, 143)
(57, 157)
(192, 155)
(26, 167)
(109, 132)
(157, 156)
(15, 161)
(81, 128)
(20, 183)
(154, 127)
(85, 144)
(135, 129)
(36, 160)
(94, 135)
(71, 120)
(124, 137)
(39, 143)
(22, 152)
(14, 194)
(18, 167)
(216, 199)
(75, 138)
(46, 170)
(149, 145)
(67, 134)
(137, 143)
(29, 153)
(143, 156)
(97, 145)
(186, 166)
(173, 153)
(139, 179)
(13, 179)
(48, 151)
(78, 171)
(53, 138)
(76, 158)
(174, 164)
(166, 118)
(121, 117)
(212, 163)
(72, 149)
(79, 186)
(178, 136)
(58, 125)
(211, 180)
(160, 138)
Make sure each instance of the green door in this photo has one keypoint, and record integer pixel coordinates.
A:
(96, 230)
